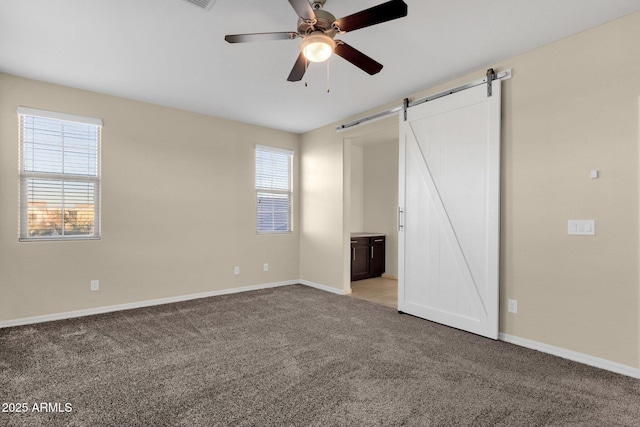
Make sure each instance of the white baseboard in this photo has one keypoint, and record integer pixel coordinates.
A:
(523, 342)
(572, 355)
(389, 276)
(169, 300)
(139, 304)
(325, 287)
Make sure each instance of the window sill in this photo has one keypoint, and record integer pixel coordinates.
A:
(57, 239)
(269, 233)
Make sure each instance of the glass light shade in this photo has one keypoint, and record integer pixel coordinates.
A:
(317, 47)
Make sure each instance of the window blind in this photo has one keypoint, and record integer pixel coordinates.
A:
(274, 189)
(59, 175)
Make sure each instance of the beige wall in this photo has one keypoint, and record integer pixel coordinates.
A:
(324, 257)
(571, 107)
(357, 189)
(560, 122)
(178, 208)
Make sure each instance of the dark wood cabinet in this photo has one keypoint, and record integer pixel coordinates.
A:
(376, 260)
(359, 258)
(367, 256)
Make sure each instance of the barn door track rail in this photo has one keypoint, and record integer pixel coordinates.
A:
(406, 104)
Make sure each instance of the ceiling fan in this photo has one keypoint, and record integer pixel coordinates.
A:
(318, 29)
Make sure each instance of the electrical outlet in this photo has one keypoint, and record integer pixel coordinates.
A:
(95, 285)
(236, 270)
(265, 266)
(513, 306)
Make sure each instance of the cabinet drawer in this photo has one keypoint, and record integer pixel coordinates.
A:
(359, 241)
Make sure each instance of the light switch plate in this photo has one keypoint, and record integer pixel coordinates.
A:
(582, 227)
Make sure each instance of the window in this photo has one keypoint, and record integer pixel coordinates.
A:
(274, 194)
(59, 176)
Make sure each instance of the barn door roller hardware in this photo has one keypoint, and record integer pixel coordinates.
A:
(405, 107)
(491, 76)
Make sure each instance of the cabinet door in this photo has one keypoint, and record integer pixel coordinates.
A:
(376, 257)
(359, 259)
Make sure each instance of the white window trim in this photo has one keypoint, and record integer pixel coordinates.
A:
(26, 111)
(274, 191)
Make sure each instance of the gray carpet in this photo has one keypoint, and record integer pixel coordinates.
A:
(293, 356)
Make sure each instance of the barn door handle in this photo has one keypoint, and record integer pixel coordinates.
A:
(400, 218)
(371, 252)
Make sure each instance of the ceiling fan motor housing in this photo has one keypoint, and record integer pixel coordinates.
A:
(324, 23)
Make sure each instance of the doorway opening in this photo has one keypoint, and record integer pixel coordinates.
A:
(371, 190)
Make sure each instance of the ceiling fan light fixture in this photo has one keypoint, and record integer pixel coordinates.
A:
(317, 47)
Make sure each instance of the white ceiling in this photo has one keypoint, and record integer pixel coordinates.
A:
(173, 53)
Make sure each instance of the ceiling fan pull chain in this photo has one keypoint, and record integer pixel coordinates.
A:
(306, 65)
(328, 61)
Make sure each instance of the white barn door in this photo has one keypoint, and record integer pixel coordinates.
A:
(449, 200)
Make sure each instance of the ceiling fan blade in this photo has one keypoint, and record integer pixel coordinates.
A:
(303, 9)
(357, 58)
(376, 15)
(299, 68)
(260, 37)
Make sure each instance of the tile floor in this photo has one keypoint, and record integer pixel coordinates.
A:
(379, 290)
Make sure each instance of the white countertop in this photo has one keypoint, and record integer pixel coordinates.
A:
(367, 234)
